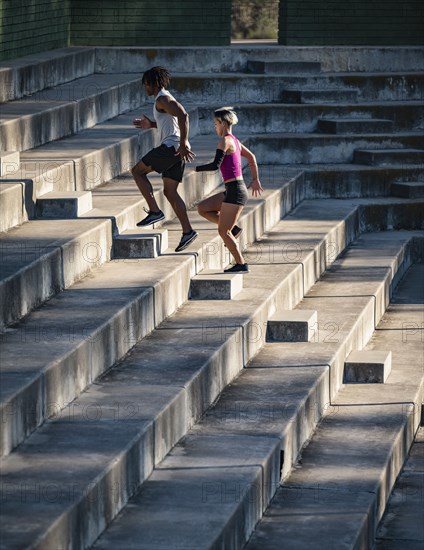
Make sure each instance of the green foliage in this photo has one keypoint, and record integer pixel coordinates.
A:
(254, 18)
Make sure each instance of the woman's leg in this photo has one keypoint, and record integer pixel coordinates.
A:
(228, 216)
(209, 208)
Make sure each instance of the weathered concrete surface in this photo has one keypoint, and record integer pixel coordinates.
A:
(251, 307)
(171, 290)
(279, 401)
(219, 479)
(27, 75)
(6, 159)
(233, 58)
(42, 257)
(289, 148)
(97, 154)
(336, 95)
(213, 285)
(241, 332)
(64, 205)
(67, 109)
(367, 367)
(140, 243)
(333, 118)
(354, 126)
(408, 189)
(292, 326)
(393, 155)
(402, 526)
(282, 67)
(239, 88)
(352, 180)
(351, 477)
(12, 210)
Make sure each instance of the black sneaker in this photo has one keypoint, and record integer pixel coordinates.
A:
(238, 268)
(186, 239)
(236, 231)
(152, 217)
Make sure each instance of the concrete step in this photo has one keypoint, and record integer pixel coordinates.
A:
(338, 333)
(12, 211)
(140, 243)
(67, 109)
(284, 148)
(30, 74)
(337, 95)
(353, 126)
(238, 88)
(205, 358)
(87, 160)
(401, 525)
(233, 458)
(41, 258)
(357, 479)
(388, 214)
(282, 67)
(233, 57)
(389, 156)
(117, 199)
(292, 326)
(9, 162)
(215, 285)
(345, 118)
(64, 205)
(41, 176)
(46, 257)
(125, 299)
(347, 180)
(367, 367)
(350, 180)
(408, 189)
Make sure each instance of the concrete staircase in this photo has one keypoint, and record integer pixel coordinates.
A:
(351, 463)
(124, 389)
(401, 525)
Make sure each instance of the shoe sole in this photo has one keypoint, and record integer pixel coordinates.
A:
(238, 271)
(140, 224)
(185, 245)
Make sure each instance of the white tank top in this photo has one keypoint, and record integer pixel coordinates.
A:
(167, 124)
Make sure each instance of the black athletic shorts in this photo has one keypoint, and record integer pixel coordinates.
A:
(163, 160)
(236, 192)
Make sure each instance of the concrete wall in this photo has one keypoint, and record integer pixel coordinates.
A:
(32, 26)
(28, 27)
(147, 23)
(351, 22)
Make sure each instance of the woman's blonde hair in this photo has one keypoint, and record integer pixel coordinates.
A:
(226, 114)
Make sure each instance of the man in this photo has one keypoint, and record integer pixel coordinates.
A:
(172, 121)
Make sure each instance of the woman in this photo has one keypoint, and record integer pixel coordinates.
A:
(225, 208)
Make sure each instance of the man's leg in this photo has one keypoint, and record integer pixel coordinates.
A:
(170, 191)
(139, 172)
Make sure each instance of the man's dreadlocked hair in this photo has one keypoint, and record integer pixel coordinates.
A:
(157, 76)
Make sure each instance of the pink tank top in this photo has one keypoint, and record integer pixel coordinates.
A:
(231, 165)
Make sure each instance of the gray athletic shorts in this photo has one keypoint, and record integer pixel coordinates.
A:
(163, 160)
(236, 192)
